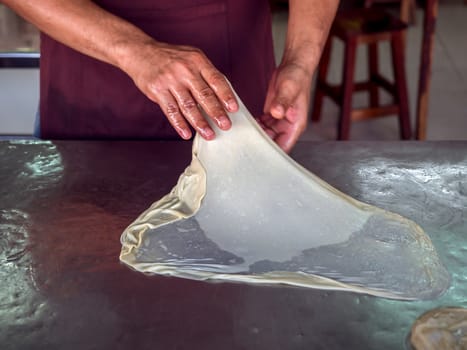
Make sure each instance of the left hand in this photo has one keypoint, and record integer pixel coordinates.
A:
(286, 105)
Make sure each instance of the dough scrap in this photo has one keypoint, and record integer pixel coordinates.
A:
(444, 328)
(245, 211)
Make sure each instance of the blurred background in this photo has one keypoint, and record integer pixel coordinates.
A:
(447, 106)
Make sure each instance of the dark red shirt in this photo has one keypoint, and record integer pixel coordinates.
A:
(83, 98)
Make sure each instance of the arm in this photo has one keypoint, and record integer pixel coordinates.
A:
(288, 98)
(175, 77)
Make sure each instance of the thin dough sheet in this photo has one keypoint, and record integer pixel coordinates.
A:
(245, 211)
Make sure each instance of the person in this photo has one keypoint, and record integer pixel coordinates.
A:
(145, 69)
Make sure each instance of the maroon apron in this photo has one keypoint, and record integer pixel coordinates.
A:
(83, 98)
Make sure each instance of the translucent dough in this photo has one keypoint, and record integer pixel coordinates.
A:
(444, 328)
(245, 211)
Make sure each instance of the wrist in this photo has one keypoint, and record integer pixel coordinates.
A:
(129, 51)
(305, 55)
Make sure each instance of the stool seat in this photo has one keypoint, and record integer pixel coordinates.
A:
(365, 22)
(368, 26)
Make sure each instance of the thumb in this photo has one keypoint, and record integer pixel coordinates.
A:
(286, 96)
(277, 109)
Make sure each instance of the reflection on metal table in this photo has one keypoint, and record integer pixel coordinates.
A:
(64, 204)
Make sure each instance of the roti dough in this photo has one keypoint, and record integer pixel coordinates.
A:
(444, 328)
(245, 211)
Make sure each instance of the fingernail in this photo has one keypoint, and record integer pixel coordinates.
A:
(232, 105)
(208, 134)
(278, 111)
(186, 134)
(224, 122)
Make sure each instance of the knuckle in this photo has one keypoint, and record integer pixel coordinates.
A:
(188, 104)
(217, 78)
(172, 111)
(197, 54)
(154, 86)
(288, 87)
(178, 69)
(179, 66)
(206, 93)
(284, 101)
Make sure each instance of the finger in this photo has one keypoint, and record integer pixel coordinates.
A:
(170, 108)
(189, 109)
(285, 136)
(270, 94)
(208, 100)
(283, 132)
(278, 108)
(267, 121)
(287, 139)
(269, 131)
(284, 142)
(219, 84)
(287, 94)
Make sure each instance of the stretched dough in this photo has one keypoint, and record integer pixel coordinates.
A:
(244, 211)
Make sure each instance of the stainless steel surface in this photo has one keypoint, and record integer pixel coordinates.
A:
(63, 206)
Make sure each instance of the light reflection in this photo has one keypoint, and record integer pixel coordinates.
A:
(441, 184)
(435, 196)
(29, 142)
(20, 302)
(47, 164)
(29, 170)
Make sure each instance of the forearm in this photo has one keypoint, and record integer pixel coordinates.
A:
(85, 27)
(308, 28)
(178, 78)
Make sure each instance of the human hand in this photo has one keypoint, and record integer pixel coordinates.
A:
(180, 79)
(286, 105)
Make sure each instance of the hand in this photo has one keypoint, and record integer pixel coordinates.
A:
(286, 105)
(180, 79)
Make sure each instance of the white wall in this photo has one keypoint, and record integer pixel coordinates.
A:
(19, 99)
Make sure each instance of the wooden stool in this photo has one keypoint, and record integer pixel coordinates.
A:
(408, 8)
(365, 26)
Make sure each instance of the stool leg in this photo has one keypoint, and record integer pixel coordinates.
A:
(347, 89)
(373, 71)
(398, 62)
(320, 81)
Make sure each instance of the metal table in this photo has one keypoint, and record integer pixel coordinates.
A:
(63, 206)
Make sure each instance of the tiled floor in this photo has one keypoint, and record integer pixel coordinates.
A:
(448, 104)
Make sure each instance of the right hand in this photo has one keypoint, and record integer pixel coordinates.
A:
(180, 79)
